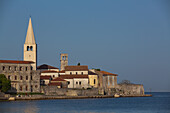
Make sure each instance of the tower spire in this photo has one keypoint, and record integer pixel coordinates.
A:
(30, 39)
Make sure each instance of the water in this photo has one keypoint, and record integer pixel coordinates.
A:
(159, 103)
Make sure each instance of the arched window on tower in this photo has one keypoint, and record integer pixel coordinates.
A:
(31, 48)
(28, 48)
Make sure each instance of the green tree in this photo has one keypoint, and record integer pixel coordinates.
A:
(126, 82)
(78, 64)
(5, 84)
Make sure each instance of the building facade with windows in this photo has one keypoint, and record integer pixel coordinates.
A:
(21, 74)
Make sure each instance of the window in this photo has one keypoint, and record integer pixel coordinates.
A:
(31, 48)
(9, 67)
(76, 73)
(82, 73)
(68, 82)
(9, 77)
(20, 68)
(79, 83)
(26, 88)
(70, 73)
(3, 68)
(94, 81)
(28, 48)
(31, 77)
(20, 88)
(31, 67)
(76, 82)
(26, 77)
(36, 86)
(26, 68)
(15, 68)
(20, 77)
(53, 76)
(15, 77)
(31, 88)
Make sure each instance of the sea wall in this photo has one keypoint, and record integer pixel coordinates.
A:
(53, 90)
(130, 89)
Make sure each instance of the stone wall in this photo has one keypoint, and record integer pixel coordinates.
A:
(130, 89)
(23, 78)
(53, 90)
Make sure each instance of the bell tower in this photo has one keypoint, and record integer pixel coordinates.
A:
(30, 46)
(63, 61)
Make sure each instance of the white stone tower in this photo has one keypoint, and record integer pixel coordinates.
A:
(30, 47)
(63, 61)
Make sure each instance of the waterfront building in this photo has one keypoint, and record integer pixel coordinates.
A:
(59, 82)
(23, 74)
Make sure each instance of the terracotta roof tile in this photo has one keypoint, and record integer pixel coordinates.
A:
(49, 71)
(107, 73)
(73, 76)
(58, 79)
(76, 68)
(45, 77)
(55, 84)
(62, 71)
(16, 62)
(45, 66)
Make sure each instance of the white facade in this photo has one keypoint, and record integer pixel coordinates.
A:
(76, 72)
(53, 75)
(77, 83)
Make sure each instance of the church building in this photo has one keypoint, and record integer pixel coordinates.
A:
(23, 74)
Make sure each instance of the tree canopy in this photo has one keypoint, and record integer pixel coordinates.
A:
(125, 82)
(78, 64)
(5, 84)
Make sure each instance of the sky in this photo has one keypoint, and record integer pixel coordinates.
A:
(128, 37)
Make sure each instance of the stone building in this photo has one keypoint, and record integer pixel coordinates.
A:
(23, 74)
(23, 77)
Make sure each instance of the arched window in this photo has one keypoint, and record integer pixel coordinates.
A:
(28, 48)
(31, 48)
(9, 67)
(20, 68)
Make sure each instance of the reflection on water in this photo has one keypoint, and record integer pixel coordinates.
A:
(19, 107)
(159, 103)
(31, 108)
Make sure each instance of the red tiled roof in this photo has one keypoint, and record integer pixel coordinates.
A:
(76, 68)
(107, 73)
(45, 77)
(16, 62)
(73, 76)
(45, 66)
(49, 71)
(55, 84)
(58, 79)
(62, 71)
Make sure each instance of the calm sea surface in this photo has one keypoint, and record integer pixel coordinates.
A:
(159, 103)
